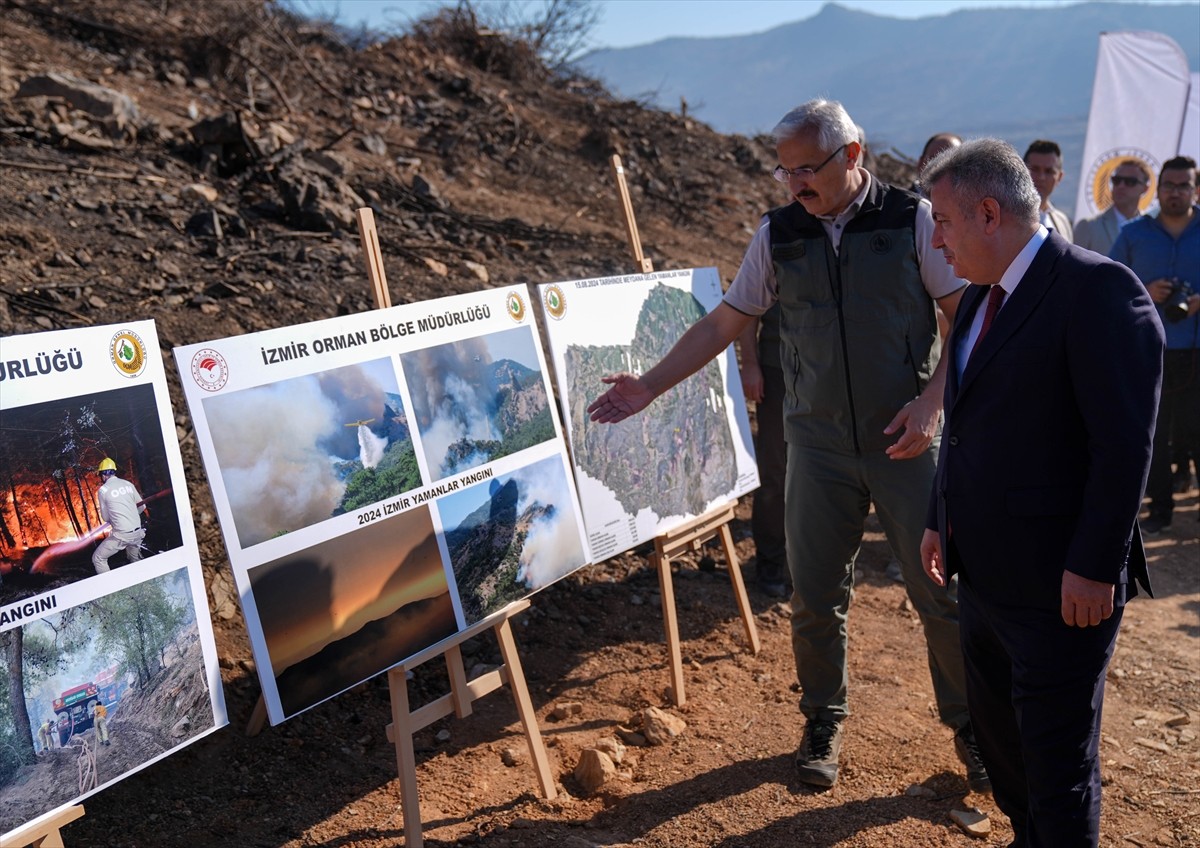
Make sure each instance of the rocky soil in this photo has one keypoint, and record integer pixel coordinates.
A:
(199, 164)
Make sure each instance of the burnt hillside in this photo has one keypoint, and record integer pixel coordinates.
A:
(212, 184)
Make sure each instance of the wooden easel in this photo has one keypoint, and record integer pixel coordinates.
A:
(45, 834)
(691, 535)
(407, 721)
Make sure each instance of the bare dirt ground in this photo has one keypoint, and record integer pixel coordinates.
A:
(486, 161)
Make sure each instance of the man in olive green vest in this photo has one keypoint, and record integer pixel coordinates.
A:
(851, 264)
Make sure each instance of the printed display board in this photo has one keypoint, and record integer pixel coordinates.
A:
(382, 480)
(686, 453)
(105, 637)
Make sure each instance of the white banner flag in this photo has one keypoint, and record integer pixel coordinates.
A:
(1138, 103)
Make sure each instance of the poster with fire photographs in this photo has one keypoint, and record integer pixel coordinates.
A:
(689, 451)
(383, 480)
(105, 637)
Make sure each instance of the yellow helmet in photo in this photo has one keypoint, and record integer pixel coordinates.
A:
(106, 464)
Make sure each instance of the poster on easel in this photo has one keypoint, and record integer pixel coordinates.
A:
(383, 481)
(690, 450)
(105, 638)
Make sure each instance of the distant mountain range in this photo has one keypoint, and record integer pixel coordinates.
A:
(1019, 74)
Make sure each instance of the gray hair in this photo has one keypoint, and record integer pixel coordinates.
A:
(827, 118)
(986, 167)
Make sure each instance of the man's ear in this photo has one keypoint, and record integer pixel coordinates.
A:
(989, 208)
(853, 155)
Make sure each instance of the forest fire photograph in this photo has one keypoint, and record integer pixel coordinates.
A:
(511, 536)
(98, 691)
(292, 452)
(50, 453)
(478, 399)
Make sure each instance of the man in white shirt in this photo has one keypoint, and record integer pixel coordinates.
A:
(1044, 160)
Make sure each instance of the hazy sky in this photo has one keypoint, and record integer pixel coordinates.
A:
(628, 22)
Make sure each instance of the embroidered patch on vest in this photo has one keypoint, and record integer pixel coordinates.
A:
(881, 243)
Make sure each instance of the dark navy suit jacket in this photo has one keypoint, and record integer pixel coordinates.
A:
(1046, 443)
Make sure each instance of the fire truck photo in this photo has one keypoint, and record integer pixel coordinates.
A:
(74, 710)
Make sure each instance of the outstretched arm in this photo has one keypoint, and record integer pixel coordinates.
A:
(705, 339)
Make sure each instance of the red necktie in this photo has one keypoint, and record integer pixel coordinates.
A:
(995, 298)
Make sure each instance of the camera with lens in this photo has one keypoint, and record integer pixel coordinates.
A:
(1175, 307)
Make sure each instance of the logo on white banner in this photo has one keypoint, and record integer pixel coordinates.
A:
(1099, 177)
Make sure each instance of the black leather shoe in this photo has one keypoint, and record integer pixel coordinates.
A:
(968, 752)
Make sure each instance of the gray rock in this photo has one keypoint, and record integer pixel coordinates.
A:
(373, 144)
(117, 111)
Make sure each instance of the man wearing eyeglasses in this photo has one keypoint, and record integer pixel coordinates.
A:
(850, 262)
(1044, 160)
(1130, 181)
(1164, 251)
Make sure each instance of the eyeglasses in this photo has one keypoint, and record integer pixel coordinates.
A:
(783, 174)
(1176, 187)
(1128, 181)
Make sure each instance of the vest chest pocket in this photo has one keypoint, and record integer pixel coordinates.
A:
(805, 315)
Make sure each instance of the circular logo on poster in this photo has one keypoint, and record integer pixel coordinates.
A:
(516, 306)
(128, 353)
(556, 303)
(1099, 187)
(210, 370)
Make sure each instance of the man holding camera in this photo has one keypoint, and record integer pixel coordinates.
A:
(1164, 251)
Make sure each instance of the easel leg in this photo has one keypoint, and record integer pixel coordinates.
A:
(406, 759)
(739, 589)
(671, 624)
(458, 681)
(533, 735)
(258, 718)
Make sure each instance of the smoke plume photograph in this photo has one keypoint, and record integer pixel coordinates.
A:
(97, 691)
(300, 451)
(352, 607)
(477, 400)
(511, 536)
(57, 510)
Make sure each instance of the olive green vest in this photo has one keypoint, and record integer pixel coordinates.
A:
(858, 330)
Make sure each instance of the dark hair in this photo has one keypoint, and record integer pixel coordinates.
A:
(1179, 163)
(1041, 145)
(951, 138)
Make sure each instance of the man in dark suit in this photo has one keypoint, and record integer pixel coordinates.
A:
(1053, 381)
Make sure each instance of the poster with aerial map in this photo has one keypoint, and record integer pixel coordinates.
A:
(690, 450)
(105, 638)
(382, 481)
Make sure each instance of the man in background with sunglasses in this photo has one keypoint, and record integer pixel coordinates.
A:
(1130, 181)
(850, 262)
